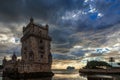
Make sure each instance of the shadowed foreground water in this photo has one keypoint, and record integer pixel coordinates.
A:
(72, 75)
(56, 77)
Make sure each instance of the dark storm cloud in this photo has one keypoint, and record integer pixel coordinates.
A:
(52, 11)
(63, 57)
(41, 9)
(79, 53)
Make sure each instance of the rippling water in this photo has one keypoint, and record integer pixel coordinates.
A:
(68, 77)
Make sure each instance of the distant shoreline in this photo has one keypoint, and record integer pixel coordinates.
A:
(65, 71)
(99, 71)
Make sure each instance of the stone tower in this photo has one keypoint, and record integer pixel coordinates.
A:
(35, 50)
(36, 58)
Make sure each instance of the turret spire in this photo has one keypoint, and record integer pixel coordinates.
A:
(31, 20)
(14, 57)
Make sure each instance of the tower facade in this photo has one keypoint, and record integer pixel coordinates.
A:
(36, 58)
(35, 51)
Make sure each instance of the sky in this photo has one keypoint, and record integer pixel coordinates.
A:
(81, 30)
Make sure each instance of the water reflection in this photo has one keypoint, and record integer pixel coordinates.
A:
(56, 77)
(45, 78)
(68, 77)
(73, 77)
(103, 77)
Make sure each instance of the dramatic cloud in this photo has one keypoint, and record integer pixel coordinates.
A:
(79, 28)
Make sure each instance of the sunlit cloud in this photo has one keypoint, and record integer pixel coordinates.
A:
(77, 46)
(73, 15)
(63, 64)
(100, 15)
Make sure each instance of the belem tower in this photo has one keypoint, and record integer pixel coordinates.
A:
(36, 58)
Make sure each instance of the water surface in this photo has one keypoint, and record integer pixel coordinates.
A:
(72, 76)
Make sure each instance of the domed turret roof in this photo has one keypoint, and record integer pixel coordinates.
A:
(14, 56)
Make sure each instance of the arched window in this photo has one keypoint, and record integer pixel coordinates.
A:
(31, 57)
(39, 32)
(41, 56)
(41, 41)
(41, 45)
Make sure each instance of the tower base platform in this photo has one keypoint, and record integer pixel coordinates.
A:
(28, 75)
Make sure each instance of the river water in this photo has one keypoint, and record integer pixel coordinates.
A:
(73, 76)
(56, 77)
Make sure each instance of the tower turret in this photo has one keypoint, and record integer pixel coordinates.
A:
(31, 20)
(14, 57)
(4, 61)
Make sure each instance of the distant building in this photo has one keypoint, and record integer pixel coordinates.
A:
(35, 52)
(70, 68)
